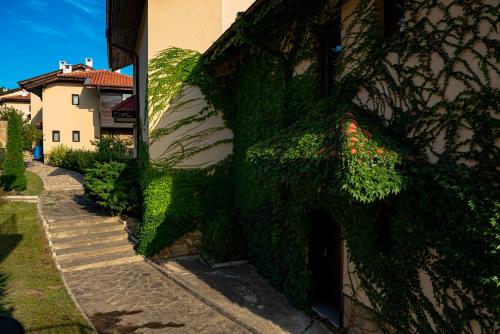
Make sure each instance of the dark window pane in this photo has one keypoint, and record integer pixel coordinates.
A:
(393, 17)
(56, 136)
(76, 136)
(330, 50)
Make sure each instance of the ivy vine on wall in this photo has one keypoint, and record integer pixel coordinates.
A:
(430, 92)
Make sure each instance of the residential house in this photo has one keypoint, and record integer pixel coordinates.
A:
(364, 169)
(18, 99)
(137, 30)
(72, 105)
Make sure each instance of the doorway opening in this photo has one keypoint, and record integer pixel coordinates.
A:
(325, 263)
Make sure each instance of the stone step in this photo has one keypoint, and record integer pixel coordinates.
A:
(87, 237)
(116, 262)
(91, 220)
(89, 242)
(51, 218)
(88, 231)
(70, 209)
(85, 260)
(91, 252)
(93, 247)
(84, 224)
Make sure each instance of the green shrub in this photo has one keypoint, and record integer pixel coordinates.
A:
(30, 134)
(77, 160)
(29, 131)
(222, 238)
(107, 149)
(178, 201)
(2, 157)
(112, 148)
(113, 185)
(13, 166)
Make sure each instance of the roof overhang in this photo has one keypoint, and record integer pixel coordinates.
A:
(115, 88)
(226, 40)
(10, 91)
(125, 111)
(34, 83)
(123, 21)
(24, 99)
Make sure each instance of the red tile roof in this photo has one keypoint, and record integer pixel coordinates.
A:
(16, 98)
(10, 91)
(44, 79)
(101, 78)
(127, 105)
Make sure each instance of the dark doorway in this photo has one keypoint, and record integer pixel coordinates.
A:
(325, 261)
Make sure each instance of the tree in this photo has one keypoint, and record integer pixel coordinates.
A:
(28, 130)
(13, 166)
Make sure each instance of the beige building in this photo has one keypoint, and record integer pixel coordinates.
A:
(348, 296)
(159, 28)
(18, 99)
(187, 24)
(73, 105)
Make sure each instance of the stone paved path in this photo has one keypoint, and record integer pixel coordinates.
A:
(56, 178)
(241, 293)
(116, 289)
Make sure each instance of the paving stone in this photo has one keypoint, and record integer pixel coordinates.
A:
(54, 178)
(117, 290)
(243, 294)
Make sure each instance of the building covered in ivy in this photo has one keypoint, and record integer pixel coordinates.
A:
(348, 149)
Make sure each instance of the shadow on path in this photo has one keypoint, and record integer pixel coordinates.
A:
(109, 322)
(241, 292)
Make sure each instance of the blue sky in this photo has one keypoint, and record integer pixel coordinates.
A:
(36, 34)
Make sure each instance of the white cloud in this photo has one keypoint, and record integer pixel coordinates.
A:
(39, 5)
(40, 28)
(89, 7)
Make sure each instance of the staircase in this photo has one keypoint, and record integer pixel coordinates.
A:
(82, 235)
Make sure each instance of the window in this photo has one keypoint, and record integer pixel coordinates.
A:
(76, 136)
(393, 17)
(56, 136)
(330, 50)
(75, 99)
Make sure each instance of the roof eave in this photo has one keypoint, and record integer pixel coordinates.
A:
(112, 87)
(123, 20)
(225, 38)
(41, 80)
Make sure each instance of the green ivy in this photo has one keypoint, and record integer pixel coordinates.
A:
(363, 161)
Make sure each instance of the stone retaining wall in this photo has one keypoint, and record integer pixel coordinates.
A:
(189, 244)
(3, 134)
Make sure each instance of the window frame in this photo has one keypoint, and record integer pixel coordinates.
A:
(73, 99)
(390, 15)
(59, 136)
(73, 136)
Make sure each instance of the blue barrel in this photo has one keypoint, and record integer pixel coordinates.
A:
(37, 152)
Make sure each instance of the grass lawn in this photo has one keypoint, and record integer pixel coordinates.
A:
(34, 186)
(31, 289)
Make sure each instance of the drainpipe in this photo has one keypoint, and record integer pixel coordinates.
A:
(137, 102)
